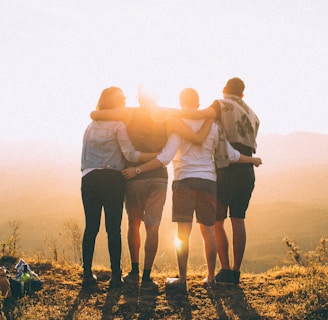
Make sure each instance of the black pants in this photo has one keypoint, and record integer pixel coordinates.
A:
(103, 189)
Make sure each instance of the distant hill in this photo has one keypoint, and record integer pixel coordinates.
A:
(40, 183)
(295, 167)
(294, 150)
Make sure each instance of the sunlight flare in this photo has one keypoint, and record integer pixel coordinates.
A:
(177, 243)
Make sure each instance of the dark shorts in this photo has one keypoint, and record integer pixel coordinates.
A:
(194, 194)
(235, 185)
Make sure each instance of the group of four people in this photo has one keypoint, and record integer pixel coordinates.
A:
(205, 179)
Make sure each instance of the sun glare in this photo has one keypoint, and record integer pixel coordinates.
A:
(177, 243)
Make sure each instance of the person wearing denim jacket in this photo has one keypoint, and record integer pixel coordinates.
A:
(106, 147)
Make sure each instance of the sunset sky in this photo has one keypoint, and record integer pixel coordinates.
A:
(57, 56)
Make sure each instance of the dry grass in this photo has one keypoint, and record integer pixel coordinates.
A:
(286, 293)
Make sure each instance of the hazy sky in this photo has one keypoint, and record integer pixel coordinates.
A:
(57, 56)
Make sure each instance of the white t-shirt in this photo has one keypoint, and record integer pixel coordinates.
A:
(192, 160)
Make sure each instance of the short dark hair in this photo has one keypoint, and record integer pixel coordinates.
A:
(235, 86)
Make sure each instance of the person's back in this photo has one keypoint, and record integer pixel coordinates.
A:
(236, 182)
(103, 187)
(145, 194)
(147, 135)
(100, 138)
(193, 160)
(239, 121)
(194, 192)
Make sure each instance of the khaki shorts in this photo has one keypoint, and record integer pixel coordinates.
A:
(145, 199)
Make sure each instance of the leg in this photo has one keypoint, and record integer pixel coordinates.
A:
(208, 234)
(134, 239)
(92, 210)
(135, 195)
(222, 244)
(239, 241)
(238, 208)
(183, 207)
(184, 230)
(151, 245)
(113, 207)
(153, 209)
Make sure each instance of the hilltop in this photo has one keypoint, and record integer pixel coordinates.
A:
(283, 293)
(40, 186)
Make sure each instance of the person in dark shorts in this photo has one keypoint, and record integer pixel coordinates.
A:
(235, 181)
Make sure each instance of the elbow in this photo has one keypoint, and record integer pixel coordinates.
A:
(162, 162)
(93, 115)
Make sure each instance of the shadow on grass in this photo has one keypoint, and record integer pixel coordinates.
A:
(8, 308)
(112, 306)
(130, 302)
(231, 302)
(147, 304)
(83, 295)
(179, 302)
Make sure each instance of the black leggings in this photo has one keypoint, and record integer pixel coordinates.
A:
(103, 189)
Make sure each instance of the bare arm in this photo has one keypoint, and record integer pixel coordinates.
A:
(127, 148)
(161, 160)
(178, 126)
(119, 114)
(236, 157)
(208, 113)
(131, 172)
(247, 159)
(147, 156)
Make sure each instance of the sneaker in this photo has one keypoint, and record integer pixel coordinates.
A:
(225, 277)
(209, 284)
(149, 284)
(175, 283)
(131, 277)
(89, 281)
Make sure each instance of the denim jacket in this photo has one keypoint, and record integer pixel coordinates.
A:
(106, 144)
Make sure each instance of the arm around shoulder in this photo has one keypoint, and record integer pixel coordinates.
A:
(179, 127)
(131, 172)
(208, 113)
(119, 114)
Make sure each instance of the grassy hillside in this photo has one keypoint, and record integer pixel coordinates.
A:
(268, 222)
(283, 293)
(41, 189)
